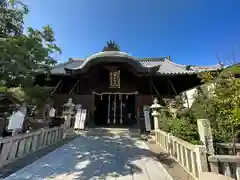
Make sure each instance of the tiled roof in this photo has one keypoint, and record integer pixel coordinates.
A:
(71, 64)
(167, 67)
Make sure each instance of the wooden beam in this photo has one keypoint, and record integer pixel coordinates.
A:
(74, 87)
(58, 84)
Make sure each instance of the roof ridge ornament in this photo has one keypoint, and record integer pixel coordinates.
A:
(189, 67)
(111, 46)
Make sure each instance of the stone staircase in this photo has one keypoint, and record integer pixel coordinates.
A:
(133, 132)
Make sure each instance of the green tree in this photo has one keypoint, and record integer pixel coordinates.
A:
(12, 18)
(23, 55)
(220, 99)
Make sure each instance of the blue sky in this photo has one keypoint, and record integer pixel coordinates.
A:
(190, 31)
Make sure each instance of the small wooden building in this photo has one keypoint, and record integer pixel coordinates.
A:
(114, 86)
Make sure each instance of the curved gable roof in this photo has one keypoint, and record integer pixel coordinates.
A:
(163, 64)
(112, 57)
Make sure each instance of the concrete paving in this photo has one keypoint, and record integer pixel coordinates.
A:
(96, 158)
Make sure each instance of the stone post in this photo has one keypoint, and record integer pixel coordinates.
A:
(68, 113)
(155, 113)
(205, 134)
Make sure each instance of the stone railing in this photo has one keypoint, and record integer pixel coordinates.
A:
(191, 157)
(226, 165)
(226, 148)
(15, 147)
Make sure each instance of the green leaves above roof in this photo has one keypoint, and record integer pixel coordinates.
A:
(235, 69)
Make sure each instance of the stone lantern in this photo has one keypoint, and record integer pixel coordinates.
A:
(156, 113)
(68, 112)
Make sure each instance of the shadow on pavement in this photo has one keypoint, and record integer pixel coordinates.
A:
(99, 153)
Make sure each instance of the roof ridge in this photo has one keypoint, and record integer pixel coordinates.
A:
(151, 59)
(61, 64)
(210, 66)
(76, 59)
(137, 58)
(197, 66)
(176, 64)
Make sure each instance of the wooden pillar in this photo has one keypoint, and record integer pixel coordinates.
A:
(114, 110)
(109, 106)
(120, 96)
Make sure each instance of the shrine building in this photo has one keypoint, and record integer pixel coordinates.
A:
(114, 86)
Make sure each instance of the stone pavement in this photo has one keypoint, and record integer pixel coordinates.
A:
(96, 158)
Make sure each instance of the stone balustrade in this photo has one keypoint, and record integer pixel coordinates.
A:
(226, 148)
(227, 165)
(194, 160)
(15, 147)
(213, 176)
(191, 157)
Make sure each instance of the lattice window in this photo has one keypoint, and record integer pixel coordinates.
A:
(114, 79)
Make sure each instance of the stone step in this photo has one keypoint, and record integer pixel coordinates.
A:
(133, 132)
(110, 132)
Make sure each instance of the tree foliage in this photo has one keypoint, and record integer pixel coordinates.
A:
(218, 100)
(23, 55)
(184, 128)
(12, 14)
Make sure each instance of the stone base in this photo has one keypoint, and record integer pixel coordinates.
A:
(213, 176)
(152, 135)
(79, 132)
(69, 133)
(151, 139)
(144, 137)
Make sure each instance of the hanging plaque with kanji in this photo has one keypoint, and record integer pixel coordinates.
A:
(114, 78)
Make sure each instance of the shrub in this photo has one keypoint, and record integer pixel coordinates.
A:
(183, 128)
